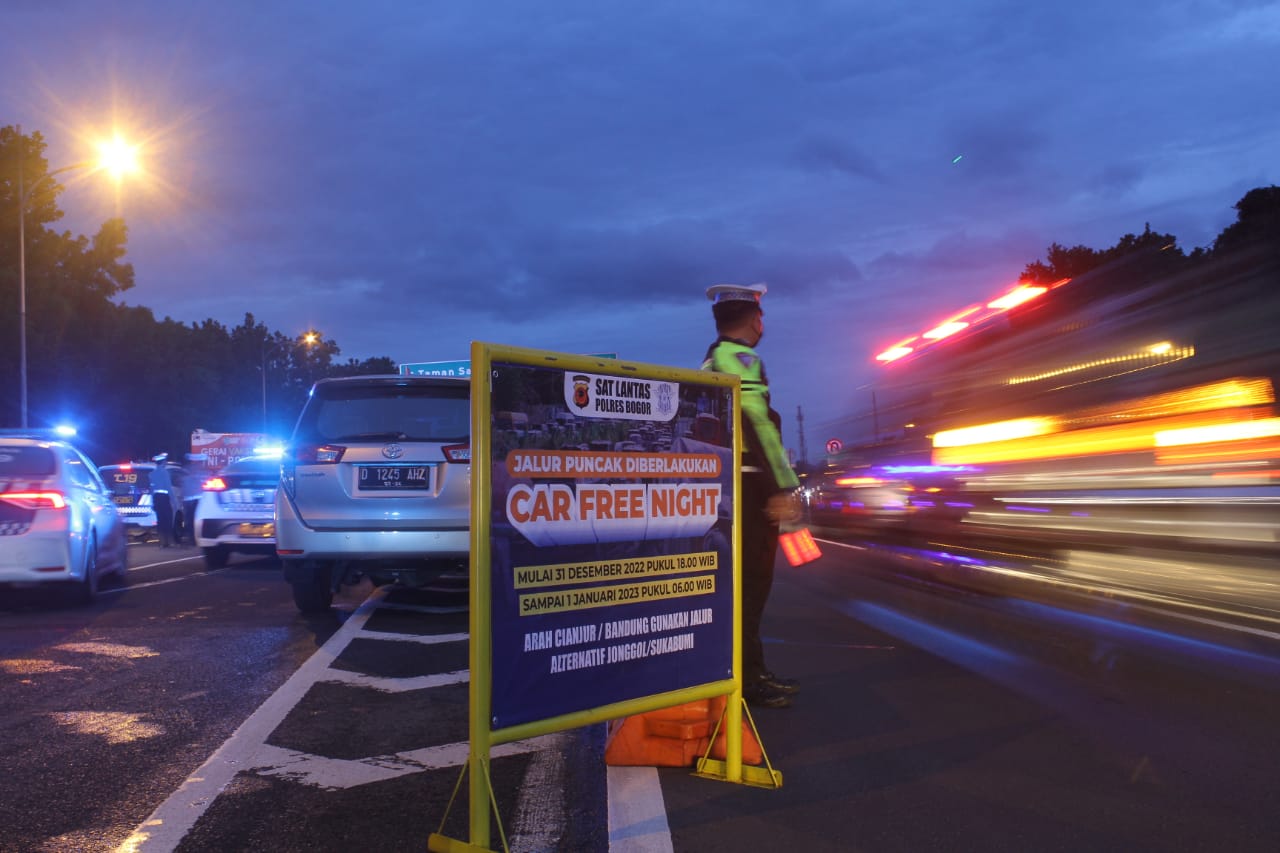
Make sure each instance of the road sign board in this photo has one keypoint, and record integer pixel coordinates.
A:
(438, 368)
(460, 367)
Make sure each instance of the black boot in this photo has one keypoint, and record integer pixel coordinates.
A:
(788, 686)
(759, 694)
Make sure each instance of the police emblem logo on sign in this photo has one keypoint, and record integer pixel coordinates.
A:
(621, 398)
(581, 391)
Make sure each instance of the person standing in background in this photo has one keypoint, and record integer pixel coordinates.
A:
(191, 488)
(162, 500)
(768, 482)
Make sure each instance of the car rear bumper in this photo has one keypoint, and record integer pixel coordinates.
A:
(296, 540)
(135, 517)
(374, 545)
(256, 533)
(22, 556)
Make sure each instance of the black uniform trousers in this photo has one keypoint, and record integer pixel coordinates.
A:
(189, 520)
(163, 506)
(759, 549)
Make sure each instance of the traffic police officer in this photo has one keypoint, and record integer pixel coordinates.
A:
(162, 499)
(768, 482)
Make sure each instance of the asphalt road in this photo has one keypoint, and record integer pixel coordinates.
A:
(105, 709)
(1014, 718)
(197, 711)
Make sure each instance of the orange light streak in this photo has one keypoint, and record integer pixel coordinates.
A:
(1020, 294)
(1116, 438)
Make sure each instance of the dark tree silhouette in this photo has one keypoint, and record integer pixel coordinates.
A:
(1078, 260)
(1257, 221)
(137, 385)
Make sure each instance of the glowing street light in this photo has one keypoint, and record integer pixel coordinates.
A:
(310, 339)
(116, 157)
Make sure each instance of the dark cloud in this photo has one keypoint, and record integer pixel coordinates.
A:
(1117, 180)
(835, 155)
(531, 172)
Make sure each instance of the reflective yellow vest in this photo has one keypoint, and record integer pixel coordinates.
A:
(762, 426)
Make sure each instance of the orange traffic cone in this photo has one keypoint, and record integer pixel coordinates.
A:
(674, 737)
(751, 751)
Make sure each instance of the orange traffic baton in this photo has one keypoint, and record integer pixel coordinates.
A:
(798, 547)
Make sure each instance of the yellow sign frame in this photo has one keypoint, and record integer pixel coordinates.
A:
(482, 737)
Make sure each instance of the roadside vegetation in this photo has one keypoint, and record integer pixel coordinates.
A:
(135, 384)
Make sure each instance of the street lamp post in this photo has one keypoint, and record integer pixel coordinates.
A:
(120, 156)
(22, 286)
(264, 386)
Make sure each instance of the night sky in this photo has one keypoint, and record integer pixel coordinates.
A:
(407, 177)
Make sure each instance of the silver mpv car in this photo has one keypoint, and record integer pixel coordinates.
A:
(376, 482)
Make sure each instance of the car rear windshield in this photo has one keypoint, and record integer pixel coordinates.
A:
(255, 474)
(127, 481)
(26, 461)
(388, 412)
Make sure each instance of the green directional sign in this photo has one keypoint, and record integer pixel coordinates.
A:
(460, 367)
(438, 368)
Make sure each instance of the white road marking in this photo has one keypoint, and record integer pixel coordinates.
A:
(428, 608)
(845, 545)
(395, 685)
(116, 590)
(637, 812)
(164, 563)
(415, 638)
(336, 774)
(169, 824)
(330, 774)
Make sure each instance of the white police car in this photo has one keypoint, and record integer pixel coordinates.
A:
(236, 510)
(130, 483)
(58, 523)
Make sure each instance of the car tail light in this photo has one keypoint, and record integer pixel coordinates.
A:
(35, 500)
(306, 454)
(317, 454)
(214, 484)
(457, 452)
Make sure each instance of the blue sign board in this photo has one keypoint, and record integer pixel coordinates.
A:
(611, 573)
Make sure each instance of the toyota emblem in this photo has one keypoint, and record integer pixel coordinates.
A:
(393, 451)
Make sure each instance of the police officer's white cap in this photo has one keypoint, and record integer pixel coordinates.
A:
(736, 292)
